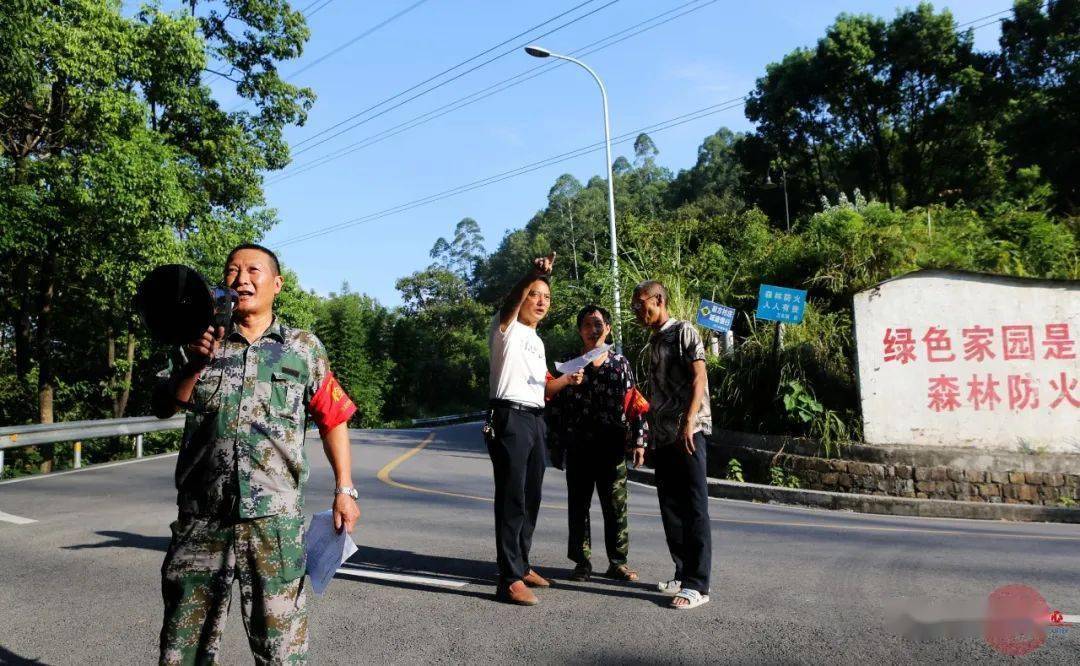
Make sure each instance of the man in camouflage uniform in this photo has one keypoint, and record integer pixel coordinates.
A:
(241, 472)
(592, 427)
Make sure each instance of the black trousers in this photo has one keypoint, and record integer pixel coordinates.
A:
(517, 458)
(597, 461)
(684, 509)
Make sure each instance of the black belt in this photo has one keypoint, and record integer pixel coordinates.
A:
(510, 404)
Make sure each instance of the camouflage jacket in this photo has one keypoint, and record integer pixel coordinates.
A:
(242, 453)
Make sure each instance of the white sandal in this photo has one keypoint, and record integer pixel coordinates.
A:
(693, 599)
(669, 587)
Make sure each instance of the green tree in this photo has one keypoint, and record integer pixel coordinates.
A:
(1040, 61)
(899, 109)
(114, 156)
(561, 198)
(718, 170)
(352, 326)
(461, 254)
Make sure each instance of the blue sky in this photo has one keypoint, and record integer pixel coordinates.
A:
(706, 57)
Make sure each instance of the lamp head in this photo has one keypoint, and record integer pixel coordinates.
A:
(537, 51)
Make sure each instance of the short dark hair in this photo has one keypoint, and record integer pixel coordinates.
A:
(255, 246)
(652, 287)
(588, 310)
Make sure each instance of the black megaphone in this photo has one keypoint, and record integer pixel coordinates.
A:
(177, 304)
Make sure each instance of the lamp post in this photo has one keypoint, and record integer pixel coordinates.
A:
(540, 52)
(770, 185)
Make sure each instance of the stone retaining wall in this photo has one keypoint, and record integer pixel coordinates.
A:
(901, 480)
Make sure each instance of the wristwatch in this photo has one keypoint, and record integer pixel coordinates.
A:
(347, 490)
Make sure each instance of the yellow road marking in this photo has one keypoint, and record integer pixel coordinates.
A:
(384, 473)
(384, 476)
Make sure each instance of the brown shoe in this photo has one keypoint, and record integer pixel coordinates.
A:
(533, 579)
(622, 572)
(516, 593)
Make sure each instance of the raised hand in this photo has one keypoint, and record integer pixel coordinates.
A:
(542, 265)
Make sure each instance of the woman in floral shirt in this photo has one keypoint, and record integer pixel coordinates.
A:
(592, 428)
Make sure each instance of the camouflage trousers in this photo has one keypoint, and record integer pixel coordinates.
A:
(598, 463)
(266, 556)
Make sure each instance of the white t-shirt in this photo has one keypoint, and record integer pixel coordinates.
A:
(518, 364)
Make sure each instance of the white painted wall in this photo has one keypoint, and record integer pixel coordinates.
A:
(897, 404)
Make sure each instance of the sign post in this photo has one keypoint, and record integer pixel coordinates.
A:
(714, 316)
(717, 318)
(782, 305)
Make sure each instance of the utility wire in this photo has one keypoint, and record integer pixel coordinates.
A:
(519, 171)
(383, 102)
(215, 76)
(355, 39)
(309, 14)
(550, 161)
(491, 90)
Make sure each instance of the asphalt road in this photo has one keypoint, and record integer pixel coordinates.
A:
(81, 584)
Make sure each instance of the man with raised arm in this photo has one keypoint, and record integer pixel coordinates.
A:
(249, 392)
(515, 430)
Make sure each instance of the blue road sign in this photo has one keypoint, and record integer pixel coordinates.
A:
(715, 316)
(781, 304)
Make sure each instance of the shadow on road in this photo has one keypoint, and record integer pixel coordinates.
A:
(483, 573)
(9, 657)
(125, 540)
(407, 561)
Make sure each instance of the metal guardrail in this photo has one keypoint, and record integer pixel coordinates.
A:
(449, 419)
(76, 431)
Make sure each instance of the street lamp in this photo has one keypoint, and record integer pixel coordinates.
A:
(541, 52)
(769, 185)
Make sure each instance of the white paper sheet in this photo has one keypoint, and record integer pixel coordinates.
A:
(573, 365)
(326, 549)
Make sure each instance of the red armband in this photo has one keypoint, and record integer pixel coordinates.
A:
(330, 406)
(635, 406)
(547, 378)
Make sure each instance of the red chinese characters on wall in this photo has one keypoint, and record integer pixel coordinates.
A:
(1018, 343)
(1058, 343)
(944, 394)
(987, 391)
(978, 343)
(938, 345)
(899, 345)
(1023, 392)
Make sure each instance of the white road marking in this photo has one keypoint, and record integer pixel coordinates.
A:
(18, 520)
(38, 477)
(357, 572)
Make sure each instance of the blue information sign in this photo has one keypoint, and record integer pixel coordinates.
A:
(715, 316)
(781, 304)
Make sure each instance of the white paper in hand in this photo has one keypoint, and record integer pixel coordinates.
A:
(326, 549)
(573, 365)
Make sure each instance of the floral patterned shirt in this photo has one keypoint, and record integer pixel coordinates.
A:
(672, 352)
(596, 404)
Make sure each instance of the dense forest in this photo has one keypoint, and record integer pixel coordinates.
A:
(888, 146)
